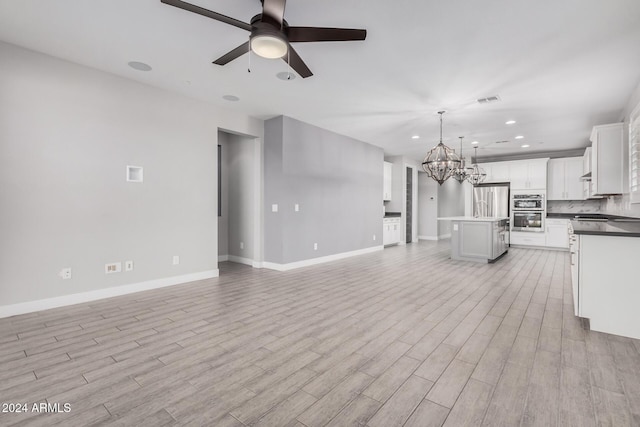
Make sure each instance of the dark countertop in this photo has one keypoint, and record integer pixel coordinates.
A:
(575, 214)
(392, 215)
(607, 228)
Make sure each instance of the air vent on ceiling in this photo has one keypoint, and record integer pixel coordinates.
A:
(488, 99)
(501, 142)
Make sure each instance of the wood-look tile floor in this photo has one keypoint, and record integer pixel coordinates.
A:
(400, 337)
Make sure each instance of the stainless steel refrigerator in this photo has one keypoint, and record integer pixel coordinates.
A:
(491, 200)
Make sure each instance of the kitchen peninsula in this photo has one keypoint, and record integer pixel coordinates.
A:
(479, 239)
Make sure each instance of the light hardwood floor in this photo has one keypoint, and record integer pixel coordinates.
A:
(400, 337)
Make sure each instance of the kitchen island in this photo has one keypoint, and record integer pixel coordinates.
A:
(477, 239)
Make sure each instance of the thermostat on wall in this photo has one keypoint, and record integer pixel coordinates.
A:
(134, 173)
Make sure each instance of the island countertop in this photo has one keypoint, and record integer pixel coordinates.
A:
(472, 218)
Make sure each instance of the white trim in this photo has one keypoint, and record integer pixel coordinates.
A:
(223, 258)
(114, 291)
(444, 236)
(241, 260)
(427, 237)
(319, 260)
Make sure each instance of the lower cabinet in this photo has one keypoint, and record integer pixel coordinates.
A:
(557, 233)
(527, 238)
(391, 231)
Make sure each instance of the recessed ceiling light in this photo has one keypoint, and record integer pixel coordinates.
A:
(140, 66)
(415, 137)
(519, 137)
(475, 142)
(510, 122)
(286, 76)
(231, 98)
(525, 146)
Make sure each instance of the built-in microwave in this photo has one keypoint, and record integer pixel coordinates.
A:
(528, 221)
(528, 202)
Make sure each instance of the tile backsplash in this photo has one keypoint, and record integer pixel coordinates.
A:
(575, 206)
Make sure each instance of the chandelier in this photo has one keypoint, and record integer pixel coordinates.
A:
(477, 174)
(441, 161)
(460, 174)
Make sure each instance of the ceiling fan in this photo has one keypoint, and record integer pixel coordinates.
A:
(271, 36)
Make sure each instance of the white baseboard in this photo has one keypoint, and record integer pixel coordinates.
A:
(444, 236)
(223, 258)
(319, 260)
(241, 260)
(427, 237)
(45, 304)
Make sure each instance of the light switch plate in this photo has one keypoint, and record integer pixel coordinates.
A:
(274, 208)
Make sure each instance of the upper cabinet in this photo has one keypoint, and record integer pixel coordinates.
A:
(563, 179)
(607, 159)
(388, 181)
(496, 171)
(522, 174)
(528, 174)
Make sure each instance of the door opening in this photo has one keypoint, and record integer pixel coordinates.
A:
(409, 206)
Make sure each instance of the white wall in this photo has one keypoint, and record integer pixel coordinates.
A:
(66, 134)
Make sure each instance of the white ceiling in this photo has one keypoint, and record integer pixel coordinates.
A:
(559, 67)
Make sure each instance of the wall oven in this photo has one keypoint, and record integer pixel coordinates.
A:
(528, 221)
(528, 202)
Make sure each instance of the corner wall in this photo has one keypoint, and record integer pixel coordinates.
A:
(67, 133)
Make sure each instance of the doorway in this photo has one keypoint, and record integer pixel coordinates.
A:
(409, 206)
(237, 198)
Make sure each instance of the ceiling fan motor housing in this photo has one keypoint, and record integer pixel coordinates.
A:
(267, 39)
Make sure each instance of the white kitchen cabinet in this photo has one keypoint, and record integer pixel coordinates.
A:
(528, 174)
(608, 291)
(563, 179)
(607, 159)
(496, 171)
(391, 231)
(587, 185)
(557, 233)
(387, 181)
(527, 238)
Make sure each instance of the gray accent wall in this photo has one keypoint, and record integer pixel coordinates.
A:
(428, 207)
(450, 203)
(335, 180)
(67, 133)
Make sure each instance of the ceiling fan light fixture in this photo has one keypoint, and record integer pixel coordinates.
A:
(270, 46)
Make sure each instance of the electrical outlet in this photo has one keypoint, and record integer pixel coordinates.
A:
(65, 273)
(113, 267)
(296, 207)
(315, 246)
(176, 260)
(241, 245)
(374, 237)
(128, 266)
(274, 208)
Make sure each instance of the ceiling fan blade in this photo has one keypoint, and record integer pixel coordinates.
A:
(235, 53)
(294, 60)
(274, 9)
(320, 34)
(208, 13)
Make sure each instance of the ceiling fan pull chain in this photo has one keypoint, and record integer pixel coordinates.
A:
(249, 69)
(288, 64)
